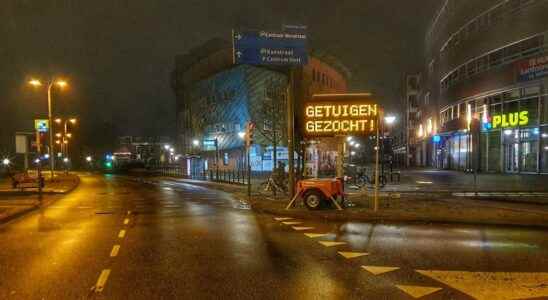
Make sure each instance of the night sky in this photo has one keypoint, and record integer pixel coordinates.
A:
(118, 54)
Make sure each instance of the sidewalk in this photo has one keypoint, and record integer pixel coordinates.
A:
(15, 203)
(61, 185)
(394, 210)
(428, 180)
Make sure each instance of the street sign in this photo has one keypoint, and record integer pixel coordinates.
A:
(340, 114)
(41, 125)
(21, 144)
(270, 48)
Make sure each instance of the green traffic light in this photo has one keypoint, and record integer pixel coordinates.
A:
(108, 164)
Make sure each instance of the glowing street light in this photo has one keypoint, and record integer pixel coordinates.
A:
(65, 160)
(89, 159)
(60, 83)
(348, 139)
(6, 162)
(357, 145)
(196, 143)
(390, 120)
(241, 134)
(167, 147)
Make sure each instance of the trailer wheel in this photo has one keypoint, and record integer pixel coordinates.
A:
(313, 200)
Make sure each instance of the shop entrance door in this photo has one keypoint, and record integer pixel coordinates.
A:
(511, 158)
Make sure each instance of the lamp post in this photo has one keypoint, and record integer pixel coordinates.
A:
(60, 83)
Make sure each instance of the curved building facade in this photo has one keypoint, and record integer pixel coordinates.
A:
(483, 101)
(215, 100)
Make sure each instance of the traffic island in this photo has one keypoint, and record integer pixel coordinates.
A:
(393, 207)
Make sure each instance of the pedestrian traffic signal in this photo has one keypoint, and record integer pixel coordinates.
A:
(249, 130)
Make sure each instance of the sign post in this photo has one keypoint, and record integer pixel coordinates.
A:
(339, 115)
(286, 48)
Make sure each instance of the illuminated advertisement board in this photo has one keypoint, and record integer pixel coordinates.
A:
(334, 117)
(533, 68)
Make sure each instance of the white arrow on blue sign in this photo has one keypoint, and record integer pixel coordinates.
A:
(270, 48)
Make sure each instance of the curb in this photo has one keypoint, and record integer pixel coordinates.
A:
(35, 207)
(30, 193)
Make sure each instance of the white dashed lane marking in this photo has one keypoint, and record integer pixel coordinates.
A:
(417, 291)
(100, 285)
(302, 228)
(114, 251)
(349, 255)
(331, 244)
(292, 223)
(315, 235)
(126, 221)
(377, 270)
(494, 285)
(283, 219)
(122, 234)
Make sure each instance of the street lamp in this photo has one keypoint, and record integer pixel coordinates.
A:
(6, 162)
(241, 134)
(389, 120)
(196, 143)
(348, 139)
(61, 84)
(89, 159)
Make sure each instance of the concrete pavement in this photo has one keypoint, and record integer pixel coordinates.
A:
(116, 239)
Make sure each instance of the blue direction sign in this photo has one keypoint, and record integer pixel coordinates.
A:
(270, 48)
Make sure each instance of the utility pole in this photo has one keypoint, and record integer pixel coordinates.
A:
(290, 131)
(50, 118)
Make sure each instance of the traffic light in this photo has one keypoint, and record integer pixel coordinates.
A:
(249, 130)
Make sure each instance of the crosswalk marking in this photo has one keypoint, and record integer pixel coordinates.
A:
(493, 285)
(331, 244)
(302, 228)
(292, 223)
(377, 270)
(349, 255)
(315, 235)
(283, 219)
(416, 291)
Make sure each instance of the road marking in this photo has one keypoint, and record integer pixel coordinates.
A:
(494, 285)
(122, 234)
(416, 291)
(283, 219)
(126, 221)
(349, 255)
(114, 251)
(331, 244)
(302, 228)
(377, 270)
(129, 212)
(292, 223)
(100, 285)
(315, 235)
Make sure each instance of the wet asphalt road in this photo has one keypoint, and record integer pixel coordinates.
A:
(116, 239)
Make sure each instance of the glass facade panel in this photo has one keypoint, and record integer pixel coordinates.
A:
(483, 150)
(530, 105)
(544, 109)
(544, 149)
(529, 149)
(494, 152)
(511, 107)
(463, 153)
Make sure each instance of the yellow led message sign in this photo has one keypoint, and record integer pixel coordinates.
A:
(331, 118)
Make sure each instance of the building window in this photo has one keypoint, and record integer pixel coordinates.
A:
(499, 57)
(226, 158)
